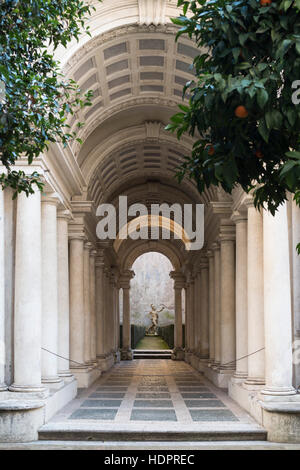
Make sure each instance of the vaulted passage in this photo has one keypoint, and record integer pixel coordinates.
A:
(66, 307)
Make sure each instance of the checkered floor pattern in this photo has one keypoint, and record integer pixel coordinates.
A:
(152, 391)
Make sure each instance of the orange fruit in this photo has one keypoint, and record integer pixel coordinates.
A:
(241, 112)
(210, 149)
(265, 3)
(259, 154)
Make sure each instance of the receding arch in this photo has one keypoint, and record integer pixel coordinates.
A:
(132, 252)
(152, 221)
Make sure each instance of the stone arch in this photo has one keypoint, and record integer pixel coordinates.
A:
(131, 254)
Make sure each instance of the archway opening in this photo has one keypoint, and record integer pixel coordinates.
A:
(152, 303)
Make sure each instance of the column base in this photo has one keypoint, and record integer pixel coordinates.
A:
(220, 378)
(194, 361)
(281, 418)
(210, 362)
(86, 376)
(240, 376)
(105, 362)
(126, 355)
(3, 388)
(247, 396)
(279, 392)
(215, 366)
(202, 364)
(53, 382)
(61, 397)
(188, 356)
(117, 356)
(41, 391)
(65, 374)
(178, 354)
(255, 381)
(20, 418)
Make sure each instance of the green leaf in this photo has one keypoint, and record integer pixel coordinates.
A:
(263, 130)
(273, 119)
(262, 97)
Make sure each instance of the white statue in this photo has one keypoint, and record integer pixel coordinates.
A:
(153, 329)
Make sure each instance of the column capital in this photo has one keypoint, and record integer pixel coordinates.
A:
(239, 216)
(100, 262)
(203, 264)
(64, 214)
(215, 246)
(227, 232)
(178, 278)
(210, 253)
(88, 245)
(77, 236)
(248, 201)
(125, 279)
(93, 253)
(50, 199)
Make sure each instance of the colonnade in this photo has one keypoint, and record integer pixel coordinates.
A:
(241, 300)
(66, 313)
(240, 312)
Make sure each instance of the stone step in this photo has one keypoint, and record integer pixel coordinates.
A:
(158, 354)
(149, 446)
(203, 434)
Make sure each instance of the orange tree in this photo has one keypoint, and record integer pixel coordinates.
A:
(244, 109)
(35, 97)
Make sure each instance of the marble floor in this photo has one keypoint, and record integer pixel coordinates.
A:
(163, 394)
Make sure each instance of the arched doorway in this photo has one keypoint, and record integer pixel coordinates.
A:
(152, 289)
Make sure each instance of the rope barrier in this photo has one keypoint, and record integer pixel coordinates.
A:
(84, 365)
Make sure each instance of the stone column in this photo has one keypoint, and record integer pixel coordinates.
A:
(76, 302)
(87, 303)
(240, 220)
(112, 304)
(125, 284)
(255, 289)
(107, 313)
(93, 255)
(117, 301)
(197, 309)
(2, 295)
(296, 280)
(187, 313)
(100, 307)
(227, 294)
(179, 283)
(210, 256)
(28, 295)
(204, 322)
(49, 292)
(191, 329)
(63, 293)
(217, 318)
(277, 303)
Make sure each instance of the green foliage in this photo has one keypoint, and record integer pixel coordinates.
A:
(249, 55)
(37, 98)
